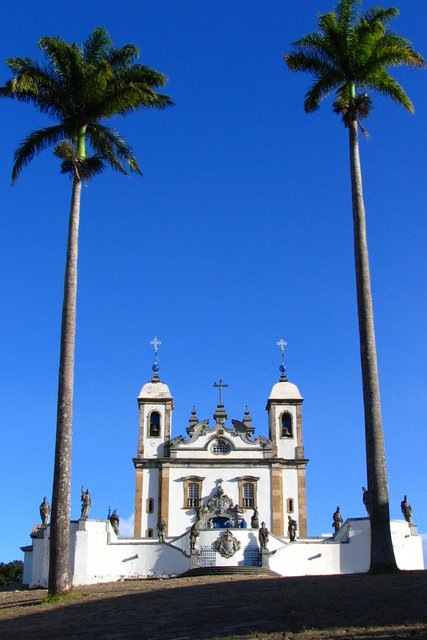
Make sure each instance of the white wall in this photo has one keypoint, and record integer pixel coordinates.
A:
(98, 555)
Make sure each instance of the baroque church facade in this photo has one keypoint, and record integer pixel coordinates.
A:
(201, 499)
(176, 476)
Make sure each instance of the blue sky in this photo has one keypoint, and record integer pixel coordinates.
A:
(239, 234)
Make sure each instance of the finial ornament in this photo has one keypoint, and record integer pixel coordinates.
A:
(282, 344)
(155, 342)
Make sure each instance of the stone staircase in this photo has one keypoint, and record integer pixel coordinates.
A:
(256, 572)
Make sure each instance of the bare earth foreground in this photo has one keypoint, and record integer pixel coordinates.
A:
(242, 608)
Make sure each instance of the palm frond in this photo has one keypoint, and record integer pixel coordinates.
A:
(96, 47)
(321, 89)
(112, 148)
(33, 144)
(124, 57)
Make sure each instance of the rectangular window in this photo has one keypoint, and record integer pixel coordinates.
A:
(248, 495)
(150, 505)
(192, 492)
(248, 488)
(193, 495)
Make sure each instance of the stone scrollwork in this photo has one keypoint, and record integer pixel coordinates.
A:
(227, 544)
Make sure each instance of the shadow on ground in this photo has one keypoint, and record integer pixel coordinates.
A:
(358, 606)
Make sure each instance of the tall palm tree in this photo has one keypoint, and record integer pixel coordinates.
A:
(349, 55)
(78, 87)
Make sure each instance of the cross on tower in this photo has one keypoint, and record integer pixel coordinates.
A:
(155, 342)
(282, 344)
(220, 385)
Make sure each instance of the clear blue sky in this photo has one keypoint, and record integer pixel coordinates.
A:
(239, 234)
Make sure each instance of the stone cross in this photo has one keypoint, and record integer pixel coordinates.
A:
(220, 385)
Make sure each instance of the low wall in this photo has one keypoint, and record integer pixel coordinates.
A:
(98, 555)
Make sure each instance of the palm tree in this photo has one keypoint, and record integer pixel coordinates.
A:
(78, 87)
(349, 55)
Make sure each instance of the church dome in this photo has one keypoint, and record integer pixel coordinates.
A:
(155, 389)
(285, 390)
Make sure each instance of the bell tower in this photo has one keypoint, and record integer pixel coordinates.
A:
(289, 464)
(155, 405)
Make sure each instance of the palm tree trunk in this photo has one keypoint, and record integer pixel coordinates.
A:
(59, 570)
(382, 554)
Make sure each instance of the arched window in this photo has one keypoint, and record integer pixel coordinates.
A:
(290, 505)
(154, 426)
(286, 425)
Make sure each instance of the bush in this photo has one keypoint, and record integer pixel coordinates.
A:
(11, 573)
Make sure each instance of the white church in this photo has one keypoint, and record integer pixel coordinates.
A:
(201, 499)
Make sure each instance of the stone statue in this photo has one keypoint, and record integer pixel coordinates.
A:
(406, 509)
(194, 534)
(337, 520)
(44, 511)
(255, 519)
(292, 529)
(366, 500)
(263, 536)
(161, 528)
(86, 503)
(115, 521)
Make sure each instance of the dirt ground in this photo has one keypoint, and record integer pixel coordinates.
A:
(239, 608)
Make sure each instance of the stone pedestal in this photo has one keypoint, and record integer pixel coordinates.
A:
(194, 559)
(413, 529)
(265, 559)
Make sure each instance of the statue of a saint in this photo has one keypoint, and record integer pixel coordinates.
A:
(194, 534)
(337, 520)
(406, 509)
(366, 500)
(86, 503)
(115, 521)
(44, 511)
(292, 529)
(161, 528)
(263, 536)
(255, 519)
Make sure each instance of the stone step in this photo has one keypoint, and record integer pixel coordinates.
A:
(229, 571)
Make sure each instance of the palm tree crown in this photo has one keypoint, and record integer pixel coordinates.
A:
(79, 87)
(351, 53)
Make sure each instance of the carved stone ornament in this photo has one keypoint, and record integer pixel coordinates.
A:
(227, 544)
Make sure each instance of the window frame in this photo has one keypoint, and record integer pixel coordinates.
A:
(188, 481)
(246, 480)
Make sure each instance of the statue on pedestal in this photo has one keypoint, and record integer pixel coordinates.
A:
(406, 509)
(161, 528)
(263, 536)
(337, 520)
(44, 511)
(366, 500)
(255, 519)
(86, 503)
(292, 529)
(115, 521)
